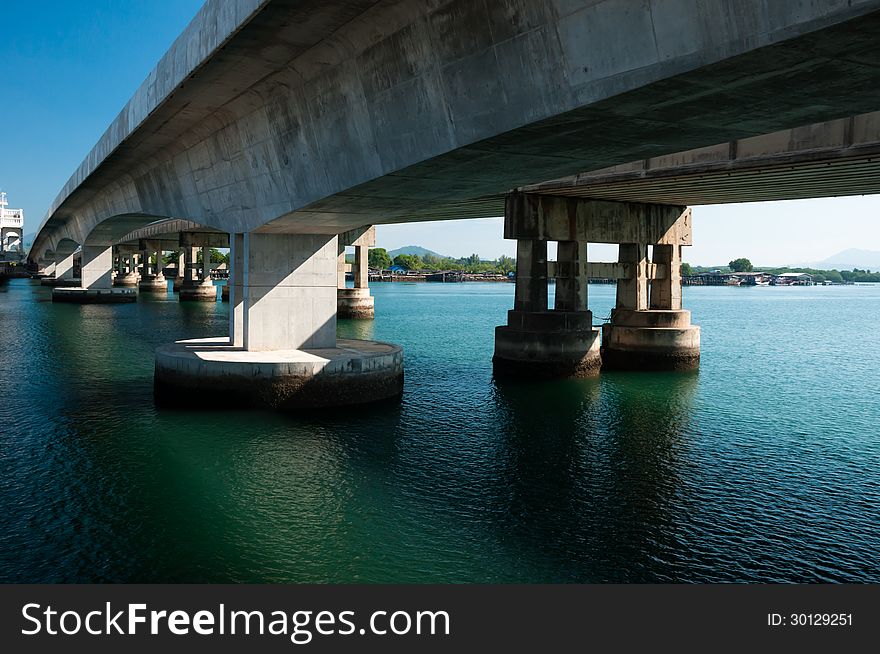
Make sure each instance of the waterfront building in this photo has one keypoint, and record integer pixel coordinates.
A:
(11, 230)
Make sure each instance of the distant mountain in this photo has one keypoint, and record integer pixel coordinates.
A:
(846, 260)
(413, 249)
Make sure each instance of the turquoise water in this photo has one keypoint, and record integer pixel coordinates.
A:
(764, 466)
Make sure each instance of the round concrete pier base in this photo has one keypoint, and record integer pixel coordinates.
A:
(153, 285)
(126, 281)
(198, 292)
(650, 340)
(354, 372)
(547, 344)
(94, 295)
(355, 303)
(224, 293)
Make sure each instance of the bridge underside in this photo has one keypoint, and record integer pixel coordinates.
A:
(834, 158)
(334, 115)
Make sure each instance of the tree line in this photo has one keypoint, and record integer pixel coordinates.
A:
(381, 260)
(744, 265)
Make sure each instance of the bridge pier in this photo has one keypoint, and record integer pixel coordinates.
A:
(152, 279)
(537, 342)
(648, 329)
(126, 273)
(63, 272)
(197, 287)
(282, 351)
(178, 280)
(356, 303)
(96, 286)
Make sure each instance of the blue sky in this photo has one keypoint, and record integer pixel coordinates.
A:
(68, 67)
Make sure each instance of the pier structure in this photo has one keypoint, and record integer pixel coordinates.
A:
(126, 266)
(95, 285)
(648, 328)
(355, 302)
(179, 273)
(282, 350)
(152, 279)
(197, 283)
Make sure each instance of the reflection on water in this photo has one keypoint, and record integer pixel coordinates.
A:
(592, 465)
(750, 470)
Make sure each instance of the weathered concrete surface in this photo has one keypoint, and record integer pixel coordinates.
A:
(548, 348)
(153, 284)
(127, 280)
(833, 158)
(355, 372)
(286, 292)
(355, 304)
(320, 116)
(650, 340)
(197, 291)
(94, 295)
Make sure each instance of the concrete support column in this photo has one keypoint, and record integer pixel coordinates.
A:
(281, 351)
(236, 291)
(152, 279)
(145, 264)
(97, 265)
(289, 291)
(660, 337)
(340, 267)
(206, 263)
(571, 276)
(126, 274)
(666, 291)
(64, 267)
(361, 267)
(190, 265)
(537, 342)
(96, 286)
(197, 287)
(531, 276)
(632, 292)
(355, 303)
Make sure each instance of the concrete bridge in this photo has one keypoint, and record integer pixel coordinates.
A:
(285, 124)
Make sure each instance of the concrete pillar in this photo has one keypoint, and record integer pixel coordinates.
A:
(531, 276)
(666, 291)
(571, 276)
(355, 303)
(96, 286)
(632, 292)
(283, 301)
(97, 264)
(361, 267)
(288, 291)
(660, 337)
(537, 342)
(64, 267)
(196, 287)
(126, 275)
(340, 267)
(236, 291)
(152, 279)
(206, 263)
(190, 265)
